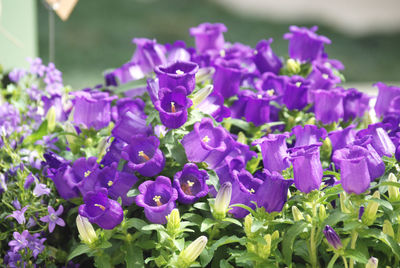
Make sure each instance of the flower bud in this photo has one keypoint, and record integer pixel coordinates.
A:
(394, 194)
(190, 254)
(372, 263)
(361, 212)
(248, 221)
(86, 231)
(222, 200)
(68, 127)
(297, 215)
(204, 74)
(387, 228)
(51, 119)
(201, 95)
(293, 66)
(326, 149)
(332, 237)
(342, 203)
(370, 212)
(265, 250)
(173, 221)
(242, 138)
(275, 235)
(322, 213)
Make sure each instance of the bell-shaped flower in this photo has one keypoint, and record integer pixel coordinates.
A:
(92, 108)
(124, 105)
(208, 36)
(177, 52)
(190, 184)
(271, 82)
(308, 135)
(222, 200)
(307, 168)
(172, 106)
(144, 156)
(148, 54)
(380, 139)
(340, 138)
(214, 106)
(305, 44)
(354, 174)
(265, 59)
(130, 124)
(101, 210)
(328, 105)
(179, 73)
(272, 193)
(322, 77)
(274, 151)
(227, 77)
(385, 95)
(86, 230)
(296, 93)
(355, 104)
(157, 198)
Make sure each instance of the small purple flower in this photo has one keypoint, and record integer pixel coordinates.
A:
(385, 95)
(36, 244)
(308, 135)
(148, 54)
(92, 109)
(296, 93)
(332, 237)
(342, 137)
(101, 210)
(16, 74)
(305, 44)
(208, 36)
(265, 59)
(20, 241)
(157, 198)
(18, 215)
(52, 219)
(190, 184)
(328, 105)
(227, 77)
(179, 73)
(307, 168)
(272, 193)
(36, 66)
(41, 189)
(354, 172)
(355, 104)
(28, 181)
(274, 151)
(144, 156)
(53, 79)
(172, 106)
(380, 139)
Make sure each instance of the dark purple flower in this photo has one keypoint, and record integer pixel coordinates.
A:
(307, 168)
(179, 73)
(190, 184)
(28, 181)
(355, 104)
(113, 153)
(148, 54)
(308, 135)
(277, 83)
(342, 137)
(229, 164)
(227, 77)
(322, 77)
(53, 218)
(272, 193)
(18, 215)
(130, 124)
(296, 93)
(177, 52)
(305, 44)
(380, 139)
(13, 259)
(274, 151)
(265, 59)
(397, 153)
(354, 172)
(328, 105)
(172, 106)
(332, 237)
(99, 209)
(385, 95)
(361, 212)
(144, 156)
(208, 36)
(20, 241)
(92, 109)
(157, 198)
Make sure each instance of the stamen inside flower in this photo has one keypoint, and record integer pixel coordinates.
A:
(325, 76)
(259, 96)
(206, 139)
(173, 109)
(87, 173)
(179, 72)
(222, 53)
(251, 191)
(157, 199)
(271, 92)
(53, 217)
(298, 84)
(110, 183)
(145, 156)
(100, 206)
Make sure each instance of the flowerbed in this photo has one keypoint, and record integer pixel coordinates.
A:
(220, 155)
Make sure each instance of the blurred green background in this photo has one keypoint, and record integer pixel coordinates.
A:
(98, 36)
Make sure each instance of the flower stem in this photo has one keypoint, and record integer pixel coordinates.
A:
(354, 236)
(313, 249)
(333, 260)
(345, 262)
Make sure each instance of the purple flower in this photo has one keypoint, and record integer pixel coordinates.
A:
(272, 193)
(332, 237)
(354, 172)
(265, 59)
(190, 184)
(148, 54)
(342, 137)
(36, 244)
(20, 241)
(397, 153)
(229, 164)
(328, 105)
(355, 104)
(124, 74)
(179, 73)
(277, 83)
(307, 168)
(385, 95)
(41, 189)
(177, 52)
(16, 74)
(36, 66)
(380, 139)
(274, 151)
(208, 36)
(124, 105)
(92, 109)
(144, 156)
(28, 181)
(56, 102)
(227, 77)
(238, 51)
(296, 93)
(13, 259)
(52, 219)
(305, 44)
(214, 106)
(322, 77)
(130, 124)
(172, 106)
(308, 135)
(101, 210)
(157, 198)
(18, 214)
(53, 79)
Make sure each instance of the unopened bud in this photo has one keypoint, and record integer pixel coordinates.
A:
(387, 228)
(51, 119)
(204, 74)
(190, 254)
(332, 237)
(322, 213)
(104, 144)
(242, 138)
(199, 96)
(275, 235)
(297, 215)
(265, 250)
(293, 66)
(222, 201)
(394, 194)
(173, 221)
(342, 200)
(372, 263)
(68, 127)
(248, 222)
(85, 229)
(326, 149)
(370, 212)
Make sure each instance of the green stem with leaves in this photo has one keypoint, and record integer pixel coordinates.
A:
(313, 248)
(354, 236)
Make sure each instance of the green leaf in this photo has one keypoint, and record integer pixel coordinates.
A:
(37, 135)
(202, 206)
(105, 244)
(133, 256)
(356, 255)
(213, 179)
(234, 221)
(388, 240)
(177, 152)
(79, 250)
(135, 223)
(383, 203)
(388, 183)
(207, 224)
(225, 264)
(102, 261)
(257, 225)
(252, 165)
(288, 239)
(179, 244)
(132, 193)
(152, 227)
